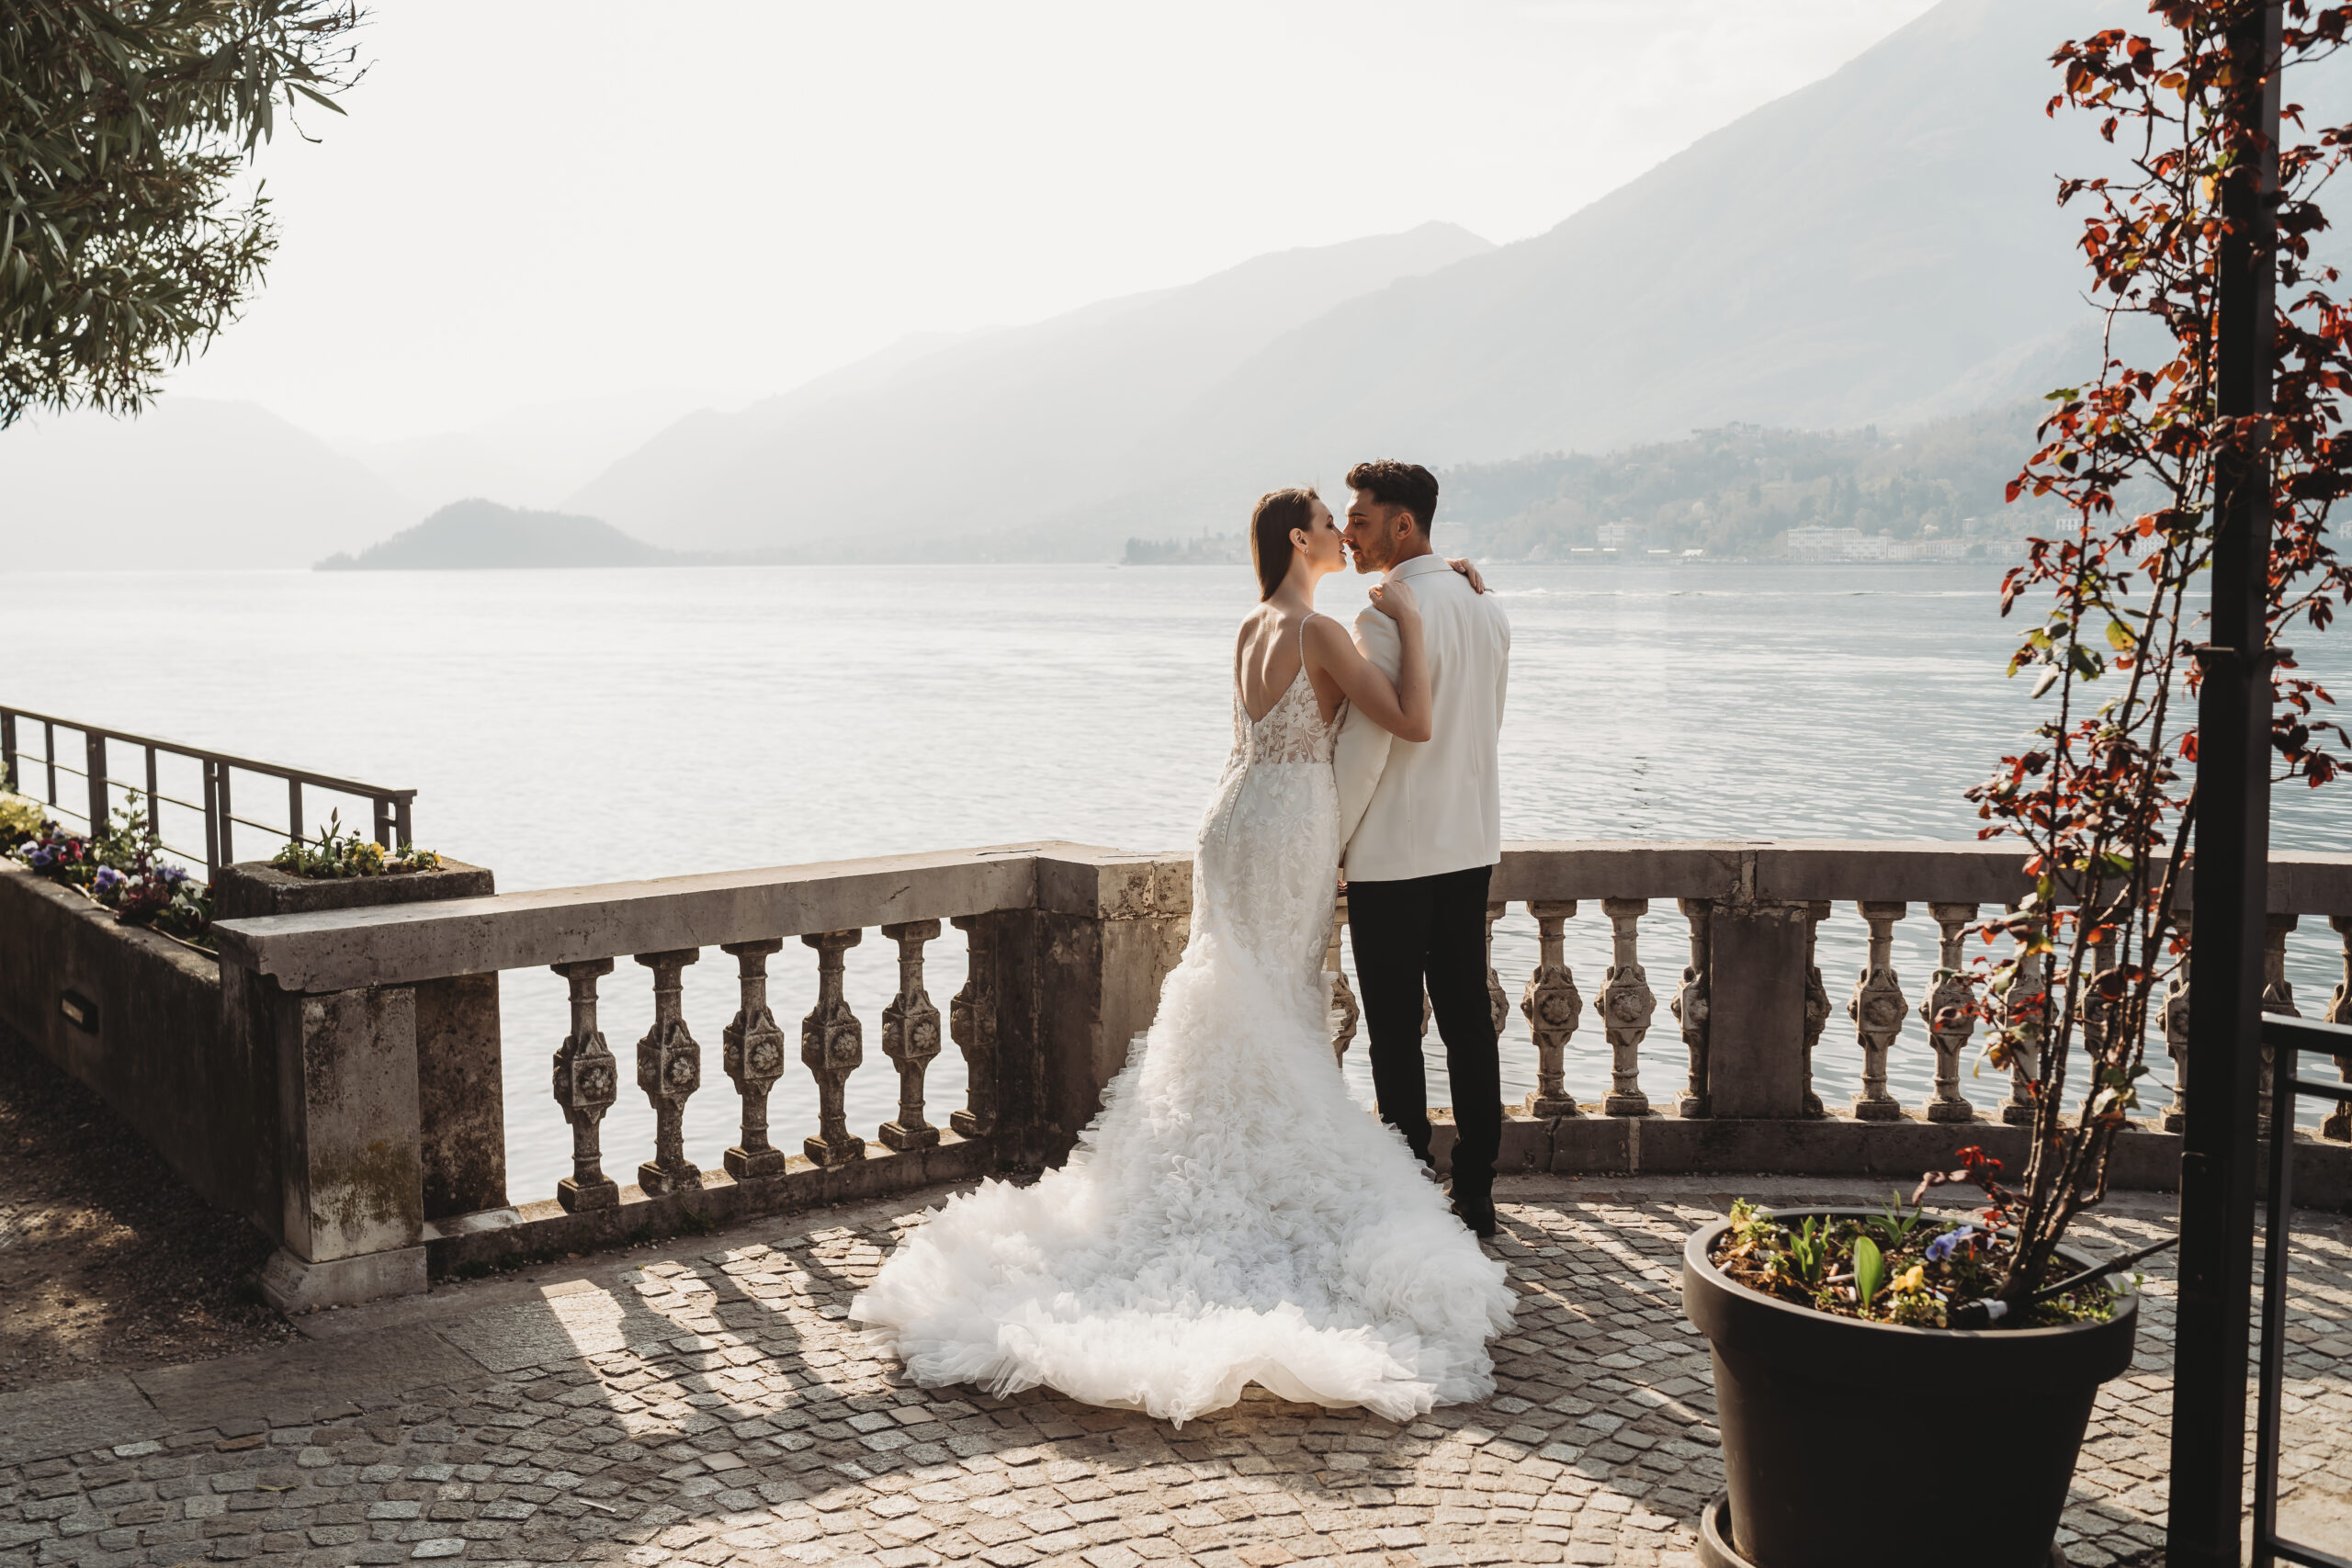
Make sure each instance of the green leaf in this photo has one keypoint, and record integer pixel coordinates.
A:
(2118, 637)
(1870, 1271)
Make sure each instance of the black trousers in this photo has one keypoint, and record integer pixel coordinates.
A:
(1431, 931)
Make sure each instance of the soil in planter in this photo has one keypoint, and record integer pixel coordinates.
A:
(1760, 1253)
(107, 1262)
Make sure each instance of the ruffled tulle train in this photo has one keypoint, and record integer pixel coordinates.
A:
(1232, 1217)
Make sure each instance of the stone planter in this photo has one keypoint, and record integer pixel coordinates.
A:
(252, 888)
(1837, 1430)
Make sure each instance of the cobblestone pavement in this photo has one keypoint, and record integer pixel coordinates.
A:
(711, 1407)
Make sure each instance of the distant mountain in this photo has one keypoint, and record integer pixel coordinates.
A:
(964, 439)
(191, 482)
(1881, 247)
(476, 534)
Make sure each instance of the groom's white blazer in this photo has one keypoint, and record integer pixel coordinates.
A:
(1421, 808)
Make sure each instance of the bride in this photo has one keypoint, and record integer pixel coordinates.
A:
(1232, 1215)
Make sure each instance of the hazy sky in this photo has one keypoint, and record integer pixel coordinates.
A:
(537, 200)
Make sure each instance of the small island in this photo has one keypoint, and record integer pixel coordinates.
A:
(477, 534)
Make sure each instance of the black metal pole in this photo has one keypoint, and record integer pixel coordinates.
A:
(2278, 1198)
(2217, 1164)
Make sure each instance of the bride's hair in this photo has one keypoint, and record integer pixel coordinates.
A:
(1278, 513)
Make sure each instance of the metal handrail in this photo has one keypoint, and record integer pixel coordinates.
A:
(394, 809)
(2288, 1038)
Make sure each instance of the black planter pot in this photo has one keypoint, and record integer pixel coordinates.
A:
(1840, 1436)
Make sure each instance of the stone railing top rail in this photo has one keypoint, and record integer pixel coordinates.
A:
(342, 950)
(1844, 870)
(403, 944)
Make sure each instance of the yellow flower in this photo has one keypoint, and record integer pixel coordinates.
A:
(19, 814)
(1913, 1278)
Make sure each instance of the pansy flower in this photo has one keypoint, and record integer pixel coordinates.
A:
(1941, 1249)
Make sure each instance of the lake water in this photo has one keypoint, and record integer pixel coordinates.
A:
(571, 727)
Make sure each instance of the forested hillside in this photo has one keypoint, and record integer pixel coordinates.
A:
(1737, 489)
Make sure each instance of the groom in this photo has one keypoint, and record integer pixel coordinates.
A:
(1422, 826)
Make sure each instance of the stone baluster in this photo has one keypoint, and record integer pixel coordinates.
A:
(586, 1084)
(2030, 979)
(1877, 1007)
(971, 1023)
(1344, 1012)
(1498, 1001)
(2277, 995)
(1816, 1001)
(1950, 991)
(910, 1035)
(752, 1052)
(2338, 1124)
(1626, 1005)
(1690, 1004)
(832, 1044)
(1553, 1008)
(669, 1069)
(2088, 1006)
(2174, 1118)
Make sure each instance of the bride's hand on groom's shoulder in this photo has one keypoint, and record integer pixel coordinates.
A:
(1462, 564)
(1395, 600)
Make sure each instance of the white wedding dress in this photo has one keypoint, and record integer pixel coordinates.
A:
(1232, 1216)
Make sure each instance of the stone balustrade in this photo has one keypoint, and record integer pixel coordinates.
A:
(1752, 1006)
(1066, 949)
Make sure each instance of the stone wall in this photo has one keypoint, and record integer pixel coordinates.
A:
(141, 1019)
(149, 1038)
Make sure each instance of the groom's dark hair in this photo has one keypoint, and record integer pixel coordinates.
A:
(1392, 483)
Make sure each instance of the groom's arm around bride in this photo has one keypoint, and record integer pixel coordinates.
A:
(1421, 823)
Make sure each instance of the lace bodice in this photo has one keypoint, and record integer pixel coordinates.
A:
(1292, 730)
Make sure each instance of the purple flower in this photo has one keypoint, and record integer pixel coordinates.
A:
(1941, 1249)
(109, 879)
